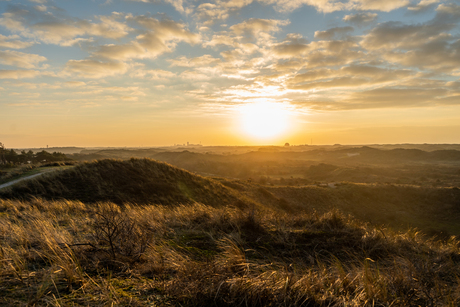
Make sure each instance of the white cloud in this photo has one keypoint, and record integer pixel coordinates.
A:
(13, 42)
(423, 5)
(95, 69)
(41, 8)
(159, 37)
(329, 6)
(63, 31)
(20, 59)
(204, 60)
(252, 27)
(152, 74)
(74, 83)
(18, 74)
(378, 5)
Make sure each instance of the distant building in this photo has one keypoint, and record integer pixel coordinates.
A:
(287, 144)
(188, 144)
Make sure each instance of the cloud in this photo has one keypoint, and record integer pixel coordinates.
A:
(64, 31)
(223, 38)
(293, 46)
(13, 21)
(391, 35)
(337, 32)
(18, 74)
(347, 76)
(423, 5)
(74, 83)
(361, 19)
(194, 75)
(152, 74)
(378, 5)
(426, 46)
(13, 42)
(253, 27)
(20, 59)
(159, 36)
(219, 10)
(447, 13)
(124, 52)
(177, 4)
(393, 97)
(95, 69)
(438, 55)
(329, 6)
(164, 30)
(204, 60)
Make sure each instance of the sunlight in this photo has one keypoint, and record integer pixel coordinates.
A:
(264, 119)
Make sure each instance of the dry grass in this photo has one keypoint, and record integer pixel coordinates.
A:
(53, 254)
(141, 181)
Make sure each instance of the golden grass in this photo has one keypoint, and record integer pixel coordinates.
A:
(196, 255)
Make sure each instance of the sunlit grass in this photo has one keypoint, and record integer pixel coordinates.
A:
(198, 255)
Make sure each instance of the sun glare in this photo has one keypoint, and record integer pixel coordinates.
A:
(264, 120)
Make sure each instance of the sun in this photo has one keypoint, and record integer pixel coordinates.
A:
(264, 119)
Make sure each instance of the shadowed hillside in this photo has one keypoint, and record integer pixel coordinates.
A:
(138, 181)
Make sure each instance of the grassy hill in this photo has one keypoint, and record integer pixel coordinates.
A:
(139, 181)
(143, 181)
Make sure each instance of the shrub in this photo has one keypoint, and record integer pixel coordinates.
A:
(118, 235)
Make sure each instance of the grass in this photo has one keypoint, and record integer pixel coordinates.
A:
(145, 181)
(140, 181)
(10, 174)
(52, 254)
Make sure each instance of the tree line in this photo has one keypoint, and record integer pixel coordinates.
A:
(10, 156)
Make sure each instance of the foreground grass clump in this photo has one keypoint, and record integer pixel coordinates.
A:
(66, 253)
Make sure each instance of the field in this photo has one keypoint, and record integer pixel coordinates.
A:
(356, 227)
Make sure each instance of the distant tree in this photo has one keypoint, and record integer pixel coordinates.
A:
(43, 156)
(26, 156)
(2, 153)
(30, 156)
(11, 156)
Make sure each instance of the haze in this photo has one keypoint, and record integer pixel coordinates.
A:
(150, 73)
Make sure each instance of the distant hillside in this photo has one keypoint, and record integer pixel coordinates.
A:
(141, 181)
(433, 210)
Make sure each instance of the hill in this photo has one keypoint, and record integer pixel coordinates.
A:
(140, 181)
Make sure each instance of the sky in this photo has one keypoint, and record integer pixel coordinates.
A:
(238, 72)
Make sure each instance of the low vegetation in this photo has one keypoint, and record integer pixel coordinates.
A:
(140, 181)
(144, 233)
(62, 253)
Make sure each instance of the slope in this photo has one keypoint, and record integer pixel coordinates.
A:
(140, 181)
